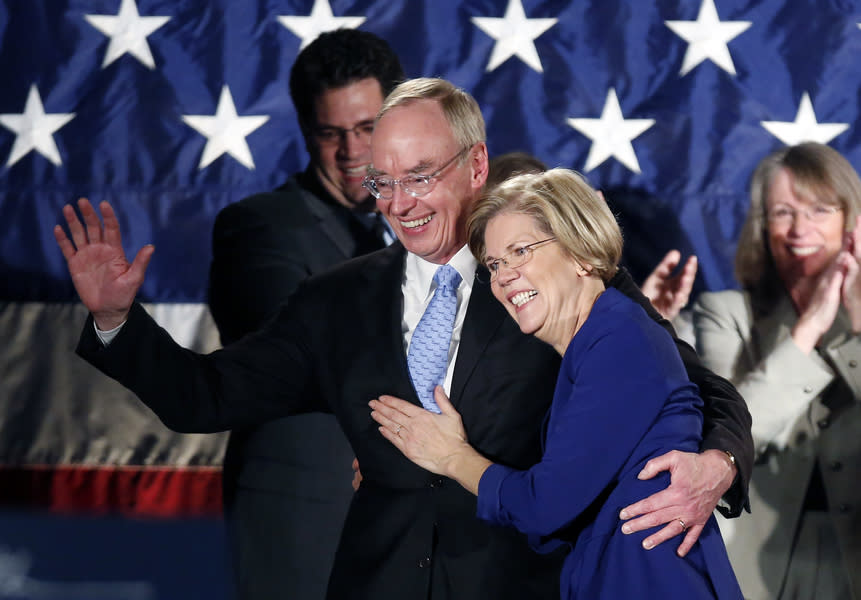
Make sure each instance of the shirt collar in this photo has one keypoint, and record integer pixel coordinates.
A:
(420, 272)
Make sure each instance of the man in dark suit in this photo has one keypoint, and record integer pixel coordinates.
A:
(341, 340)
(287, 482)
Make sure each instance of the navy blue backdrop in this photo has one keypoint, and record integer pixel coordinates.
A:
(171, 109)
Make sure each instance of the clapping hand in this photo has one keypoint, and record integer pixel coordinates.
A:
(851, 290)
(105, 281)
(669, 293)
(839, 283)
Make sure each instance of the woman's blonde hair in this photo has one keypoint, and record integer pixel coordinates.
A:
(562, 205)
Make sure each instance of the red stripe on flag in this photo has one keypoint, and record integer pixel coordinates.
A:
(131, 491)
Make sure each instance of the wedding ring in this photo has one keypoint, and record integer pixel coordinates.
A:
(398, 432)
(682, 523)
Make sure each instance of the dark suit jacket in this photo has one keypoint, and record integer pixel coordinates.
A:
(286, 482)
(337, 344)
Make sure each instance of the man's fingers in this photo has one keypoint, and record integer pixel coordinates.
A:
(112, 233)
(76, 230)
(357, 475)
(691, 538)
(666, 533)
(671, 530)
(635, 510)
(674, 527)
(647, 506)
(651, 518)
(92, 222)
(65, 244)
(141, 262)
(657, 465)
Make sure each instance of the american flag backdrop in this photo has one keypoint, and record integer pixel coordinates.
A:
(171, 109)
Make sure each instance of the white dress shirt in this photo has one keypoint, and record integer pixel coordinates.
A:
(418, 289)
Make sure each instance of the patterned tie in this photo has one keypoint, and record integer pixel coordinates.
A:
(427, 358)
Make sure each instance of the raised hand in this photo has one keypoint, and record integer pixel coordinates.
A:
(818, 316)
(669, 294)
(851, 290)
(105, 281)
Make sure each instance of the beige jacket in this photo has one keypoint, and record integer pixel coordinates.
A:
(804, 409)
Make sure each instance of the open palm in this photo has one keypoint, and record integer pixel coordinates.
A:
(104, 279)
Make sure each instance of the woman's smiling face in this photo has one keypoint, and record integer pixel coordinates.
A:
(541, 293)
(802, 247)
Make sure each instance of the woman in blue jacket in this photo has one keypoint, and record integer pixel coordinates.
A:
(549, 243)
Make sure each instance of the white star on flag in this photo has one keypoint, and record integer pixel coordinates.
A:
(128, 32)
(319, 21)
(611, 135)
(34, 129)
(804, 128)
(707, 38)
(226, 131)
(514, 35)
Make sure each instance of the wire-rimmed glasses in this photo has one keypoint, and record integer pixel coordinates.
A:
(414, 184)
(514, 259)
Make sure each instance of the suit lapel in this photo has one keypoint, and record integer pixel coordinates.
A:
(330, 225)
(484, 316)
(383, 306)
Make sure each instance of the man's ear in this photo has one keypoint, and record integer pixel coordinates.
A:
(308, 137)
(479, 165)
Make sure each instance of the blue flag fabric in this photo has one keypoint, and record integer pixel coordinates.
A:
(128, 138)
(171, 109)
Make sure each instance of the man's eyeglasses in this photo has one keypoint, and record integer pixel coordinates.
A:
(514, 259)
(785, 215)
(330, 135)
(413, 184)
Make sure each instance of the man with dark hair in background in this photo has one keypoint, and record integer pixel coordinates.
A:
(287, 482)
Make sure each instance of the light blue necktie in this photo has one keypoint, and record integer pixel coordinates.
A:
(427, 358)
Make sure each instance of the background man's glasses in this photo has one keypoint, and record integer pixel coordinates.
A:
(332, 136)
(413, 184)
